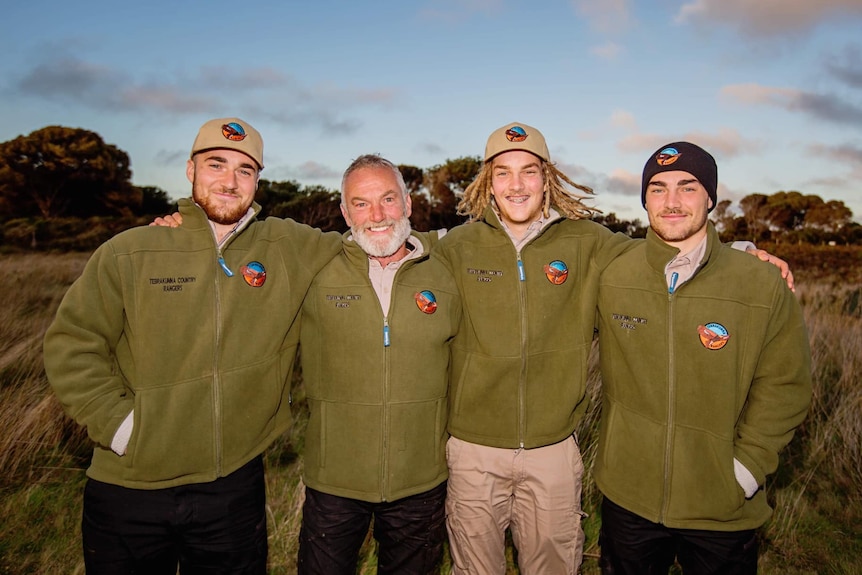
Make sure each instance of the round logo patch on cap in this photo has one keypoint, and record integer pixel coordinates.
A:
(254, 274)
(516, 134)
(426, 301)
(233, 132)
(667, 156)
(557, 272)
(713, 335)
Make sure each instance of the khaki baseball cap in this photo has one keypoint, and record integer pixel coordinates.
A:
(517, 136)
(231, 134)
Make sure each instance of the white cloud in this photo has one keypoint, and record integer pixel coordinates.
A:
(607, 16)
(623, 119)
(624, 182)
(725, 143)
(768, 17)
(315, 171)
(826, 107)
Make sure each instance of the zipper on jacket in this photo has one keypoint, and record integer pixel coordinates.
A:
(673, 279)
(217, 415)
(522, 384)
(227, 270)
(385, 440)
(671, 386)
(226, 240)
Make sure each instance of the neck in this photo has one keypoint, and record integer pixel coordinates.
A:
(689, 243)
(399, 255)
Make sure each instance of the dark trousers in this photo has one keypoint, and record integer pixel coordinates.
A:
(409, 532)
(205, 528)
(631, 545)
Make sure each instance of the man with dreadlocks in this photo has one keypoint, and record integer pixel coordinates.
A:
(528, 272)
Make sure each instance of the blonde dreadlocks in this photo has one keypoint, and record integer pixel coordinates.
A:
(477, 196)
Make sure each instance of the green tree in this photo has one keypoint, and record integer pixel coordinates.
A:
(633, 228)
(59, 171)
(445, 183)
(724, 219)
(829, 216)
(155, 201)
(754, 214)
(316, 206)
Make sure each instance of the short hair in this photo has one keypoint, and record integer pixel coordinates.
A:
(373, 161)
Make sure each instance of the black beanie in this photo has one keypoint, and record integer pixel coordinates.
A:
(686, 157)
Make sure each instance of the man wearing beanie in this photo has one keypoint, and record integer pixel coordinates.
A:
(705, 376)
(175, 350)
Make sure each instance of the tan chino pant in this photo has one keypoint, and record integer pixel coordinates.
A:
(535, 492)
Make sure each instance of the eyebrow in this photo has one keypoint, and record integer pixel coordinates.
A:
(386, 194)
(223, 160)
(508, 167)
(664, 184)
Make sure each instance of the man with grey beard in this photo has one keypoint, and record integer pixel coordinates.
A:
(376, 326)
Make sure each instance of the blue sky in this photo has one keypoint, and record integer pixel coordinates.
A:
(773, 88)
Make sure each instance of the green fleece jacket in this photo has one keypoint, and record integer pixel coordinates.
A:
(691, 380)
(377, 385)
(154, 325)
(519, 361)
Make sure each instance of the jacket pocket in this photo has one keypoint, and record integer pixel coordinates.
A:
(173, 432)
(703, 486)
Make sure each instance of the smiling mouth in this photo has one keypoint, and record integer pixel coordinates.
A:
(378, 229)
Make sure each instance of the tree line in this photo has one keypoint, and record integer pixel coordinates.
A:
(66, 188)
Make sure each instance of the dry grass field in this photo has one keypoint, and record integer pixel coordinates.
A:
(817, 491)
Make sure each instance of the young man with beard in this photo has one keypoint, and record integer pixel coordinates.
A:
(705, 376)
(181, 414)
(376, 326)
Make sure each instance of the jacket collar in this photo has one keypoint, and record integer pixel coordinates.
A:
(357, 257)
(194, 217)
(659, 254)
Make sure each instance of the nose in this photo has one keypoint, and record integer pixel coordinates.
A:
(377, 214)
(230, 180)
(516, 182)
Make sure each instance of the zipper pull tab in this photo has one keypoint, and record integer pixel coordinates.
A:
(224, 267)
(673, 277)
(386, 340)
(521, 275)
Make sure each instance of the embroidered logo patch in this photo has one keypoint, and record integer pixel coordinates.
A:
(426, 301)
(667, 156)
(254, 274)
(557, 272)
(233, 132)
(516, 134)
(713, 335)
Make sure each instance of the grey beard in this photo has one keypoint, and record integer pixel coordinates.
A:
(383, 247)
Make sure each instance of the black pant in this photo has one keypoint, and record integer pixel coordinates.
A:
(205, 528)
(631, 545)
(409, 532)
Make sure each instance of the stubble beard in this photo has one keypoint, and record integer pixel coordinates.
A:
(216, 212)
(673, 234)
